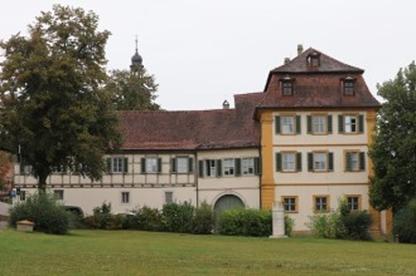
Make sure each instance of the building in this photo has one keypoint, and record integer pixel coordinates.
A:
(303, 141)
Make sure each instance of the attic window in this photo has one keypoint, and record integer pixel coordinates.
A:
(349, 85)
(287, 87)
(313, 60)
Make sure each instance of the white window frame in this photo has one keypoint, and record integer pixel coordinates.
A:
(288, 161)
(182, 164)
(350, 122)
(318, 199)
(353, 202)
(287, 124)
(117, 164)
(228, 167)
(319, 124)
(290, 204)
(151, 165)
(320, 165)
(212, 168)
(354, 160)
(123, 198)
(247, 166)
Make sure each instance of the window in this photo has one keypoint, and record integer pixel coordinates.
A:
(354, 161)
(212, 168)
(319, 124)
(287, 124)
(349, 87)
(22, 195)
(319, 161)
(125, 197)
(117, 165)
(289, 204)
(229, 167)
(25, 169)
(247, 166)
(59, 194)
(151, 165)
(353, 202)
(350, 124)
(168, 197)
(321, 203)
(288, 161)
(182, 165)
(287, 88)
(313, 60)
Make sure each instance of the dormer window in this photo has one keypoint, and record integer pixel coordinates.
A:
(348, 86)
(313, 60)
(287, 86)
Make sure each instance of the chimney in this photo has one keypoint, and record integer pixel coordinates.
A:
(300, 49)
(287, 60)
(225, 105)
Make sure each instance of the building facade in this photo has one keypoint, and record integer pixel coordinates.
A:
(302, 142)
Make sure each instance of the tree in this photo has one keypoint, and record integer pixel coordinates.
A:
(5, 167)
(394, 150)
(52, 107)
(132, 90)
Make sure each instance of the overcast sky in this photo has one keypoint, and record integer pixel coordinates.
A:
(202, 52)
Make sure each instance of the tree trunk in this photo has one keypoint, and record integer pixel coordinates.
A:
(42, 183)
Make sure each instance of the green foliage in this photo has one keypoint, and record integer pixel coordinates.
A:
(132, 90)
(102, 218)
(245, 222)
(342, 224)
(47, 214)
(289, 224)
(393, 152)
(178, 217)
(203, 219)
(51, 103)
(405, 223)
(149, 219)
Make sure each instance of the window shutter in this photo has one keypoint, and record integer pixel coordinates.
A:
(126, 165)
(190, 165)
(361, 123)
(108, 161)
(329, 124)
(173, 165)
(310, 161)
(277, 124)
(143, 165)
(208, 168)
(298, 125)
(362, 161)
(340, 123)
(330, 161)
(309, 121)
(299, 161)
(201, 168)
(257, 166)
(237, 163)
(159, 165)
(348, 161)
(219, 168)
(278, 162)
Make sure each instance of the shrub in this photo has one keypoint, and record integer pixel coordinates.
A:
(48, 215)
(405, 223)
(102, 218)
(178, 217)
(149, 219)
(203, 219)
(325, 225)
(245, 222)
(289, 224)
(355, 225)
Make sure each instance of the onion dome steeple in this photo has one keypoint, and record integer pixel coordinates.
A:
(136, 59)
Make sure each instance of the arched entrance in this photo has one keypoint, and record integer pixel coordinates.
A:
(227, 202)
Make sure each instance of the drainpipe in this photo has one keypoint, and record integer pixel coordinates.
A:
(196, 174)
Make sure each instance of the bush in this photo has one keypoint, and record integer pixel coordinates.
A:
(405, 223)
(326, 225)
(289, 224)
(48, 215)
(178, 217)
(355, 225)
(149, 219)
(203, 219)
(102, 218)
(245, 222)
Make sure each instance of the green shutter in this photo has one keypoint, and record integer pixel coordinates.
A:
(257, 166)
(298, 125)
(159, 165)
(329, 124)
(330, 161)
(361, 123)
(126, 165)
(309, 124)
(277, 124)
(362, 161)
(190, 164)
(299, 161)
(340, 124)
(237, 163)
(143, 165)
(278, 162)
(108, 161)
(173, 165)
(208, 167)
(219, 168)
(201, 168)
(310, 161)
(348, 161)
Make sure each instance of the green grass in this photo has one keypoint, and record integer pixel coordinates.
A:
(145, 253)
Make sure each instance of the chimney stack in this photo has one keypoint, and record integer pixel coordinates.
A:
(300, 49)
(287, 60)
(225, 105)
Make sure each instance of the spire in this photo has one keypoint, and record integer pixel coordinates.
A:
(136, 59)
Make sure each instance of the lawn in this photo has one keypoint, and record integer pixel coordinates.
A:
(144, 253)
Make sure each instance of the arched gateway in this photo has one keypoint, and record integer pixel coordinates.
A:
(227, 202)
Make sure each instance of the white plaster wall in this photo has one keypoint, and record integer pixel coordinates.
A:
(305, 199)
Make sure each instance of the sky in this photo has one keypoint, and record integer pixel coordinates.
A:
(203, 52)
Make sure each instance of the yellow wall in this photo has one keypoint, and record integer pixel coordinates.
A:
(267, 181)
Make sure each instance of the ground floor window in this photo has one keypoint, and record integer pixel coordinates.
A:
(59, 194)
(168, 197)
(321, 203)
(290, 204)
(353, 202)
(125, 197)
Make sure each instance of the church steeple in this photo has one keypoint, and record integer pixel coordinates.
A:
(136, 59)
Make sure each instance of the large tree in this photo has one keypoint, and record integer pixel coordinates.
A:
(54, 112)
(394, 150)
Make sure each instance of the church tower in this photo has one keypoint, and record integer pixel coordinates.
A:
(136, 60)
